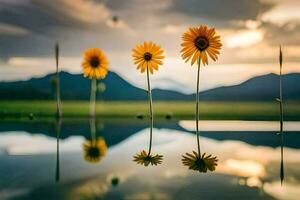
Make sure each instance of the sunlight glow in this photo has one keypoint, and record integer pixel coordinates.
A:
(244, 39)
(254, 182)
(246, 167)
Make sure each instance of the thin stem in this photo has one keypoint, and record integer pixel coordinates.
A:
(281, 119)
(197, 109)
(93, 129)
(151, 110)
(58, 101)
(93, 97)
(57, 129)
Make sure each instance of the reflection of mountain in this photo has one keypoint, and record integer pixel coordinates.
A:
(75, 86)
(257, 138)
(115, 132)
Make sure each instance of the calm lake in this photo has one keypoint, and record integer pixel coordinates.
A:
(36, 164)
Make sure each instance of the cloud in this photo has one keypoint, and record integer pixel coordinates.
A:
(85, 12)
(116, 23)
(39, 24)
(284, 11)
(282, 34)
(223, 9)
(136, 5)
(7, 29)
(38, 15)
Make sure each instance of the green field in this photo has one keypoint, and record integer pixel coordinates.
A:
(175, 110)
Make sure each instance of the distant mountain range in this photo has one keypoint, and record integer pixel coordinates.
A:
(262, 88)
(76, 87)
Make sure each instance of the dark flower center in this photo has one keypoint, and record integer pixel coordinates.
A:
(94, 152)
(94, 62)
(201, 43)
(147, 56)
(200, 162)
(148, 158)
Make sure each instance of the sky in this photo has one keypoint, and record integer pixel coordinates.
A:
(251, 32)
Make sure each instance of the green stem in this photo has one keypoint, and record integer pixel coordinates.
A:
(197, 109)
(151, 110)
(93, 129)
(93, 98)
(58, 101)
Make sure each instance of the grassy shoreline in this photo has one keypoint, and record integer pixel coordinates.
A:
(162, 109)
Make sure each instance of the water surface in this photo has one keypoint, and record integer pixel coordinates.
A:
(31, 159)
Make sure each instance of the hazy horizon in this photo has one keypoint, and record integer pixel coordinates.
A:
(167, 83)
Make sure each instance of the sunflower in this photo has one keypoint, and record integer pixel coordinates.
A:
(198, 42)
(94, 150)
(145, 159)
(147, 56)
(95, 63)
(200, 163)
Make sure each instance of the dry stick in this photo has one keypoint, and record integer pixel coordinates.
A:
(151, 110)
(93, 97)
(58, 101)
(58, 115)
(281, 116)
(197, 108)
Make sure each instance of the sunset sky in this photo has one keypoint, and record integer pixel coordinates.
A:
(251, 31)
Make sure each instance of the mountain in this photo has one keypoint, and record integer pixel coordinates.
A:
(260, 88)
(76, 87)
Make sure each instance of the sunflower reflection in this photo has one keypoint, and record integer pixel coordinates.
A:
(145, 159)
(199, 162)
(94, 150)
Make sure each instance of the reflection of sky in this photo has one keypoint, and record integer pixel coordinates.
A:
(231, 125)
(241, 166)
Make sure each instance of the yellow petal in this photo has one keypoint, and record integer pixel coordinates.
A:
(195, 57)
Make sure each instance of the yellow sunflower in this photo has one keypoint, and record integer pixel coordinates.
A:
(94, 63)
(198, 42)
(147, 55)
(94, 150)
